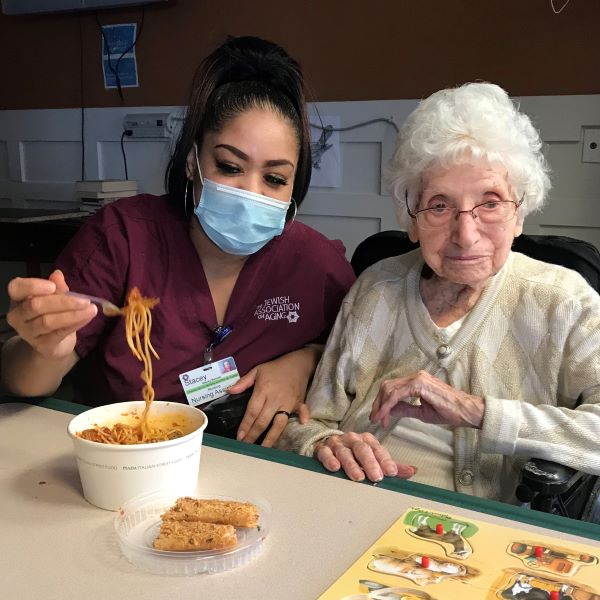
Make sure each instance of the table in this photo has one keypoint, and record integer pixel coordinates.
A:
(33, 215)
(56, 546)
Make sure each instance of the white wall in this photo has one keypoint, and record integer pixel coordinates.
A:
(41, 150)
(40, 159)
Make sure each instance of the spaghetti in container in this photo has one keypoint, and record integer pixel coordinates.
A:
(111, 474)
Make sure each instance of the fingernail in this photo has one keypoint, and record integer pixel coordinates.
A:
(241, 434)
(84, 305)
(414, 469)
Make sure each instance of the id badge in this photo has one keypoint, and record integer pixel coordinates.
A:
(210, 381)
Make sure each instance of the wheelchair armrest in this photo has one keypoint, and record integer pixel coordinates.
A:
(545, 478)
(553, 488)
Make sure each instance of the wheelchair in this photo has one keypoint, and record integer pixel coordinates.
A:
(543, 485)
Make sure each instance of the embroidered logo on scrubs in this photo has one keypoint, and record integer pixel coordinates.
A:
(277, 308)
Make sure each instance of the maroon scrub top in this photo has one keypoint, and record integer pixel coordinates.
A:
(287, 295)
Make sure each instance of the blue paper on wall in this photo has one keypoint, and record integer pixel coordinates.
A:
(118, 55)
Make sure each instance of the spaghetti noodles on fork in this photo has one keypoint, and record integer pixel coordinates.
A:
(138, 324)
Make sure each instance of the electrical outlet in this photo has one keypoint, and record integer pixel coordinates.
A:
(591, 145)
(147, 125)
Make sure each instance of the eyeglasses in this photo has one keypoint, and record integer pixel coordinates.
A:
(491, 212)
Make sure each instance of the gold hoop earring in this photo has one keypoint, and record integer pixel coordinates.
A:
(185, 195)
(292, 219)
(295, 210)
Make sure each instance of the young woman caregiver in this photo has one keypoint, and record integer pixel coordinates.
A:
(238, 278)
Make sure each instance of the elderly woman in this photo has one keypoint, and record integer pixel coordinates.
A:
(454, 363)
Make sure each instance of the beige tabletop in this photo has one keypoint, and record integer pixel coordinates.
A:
(56, 546)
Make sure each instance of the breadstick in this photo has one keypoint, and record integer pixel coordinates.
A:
(183, 536)
(238, 514)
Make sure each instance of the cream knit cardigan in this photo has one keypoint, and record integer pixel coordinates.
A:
(530, 347)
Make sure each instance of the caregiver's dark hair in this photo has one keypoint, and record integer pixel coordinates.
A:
(242, 74)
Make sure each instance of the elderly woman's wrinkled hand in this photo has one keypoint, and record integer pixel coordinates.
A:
(440, 403)
(360, 455)
(44, 316)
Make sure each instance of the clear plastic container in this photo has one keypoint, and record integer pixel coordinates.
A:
(138, 522)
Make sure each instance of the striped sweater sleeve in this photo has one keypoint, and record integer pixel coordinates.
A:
(333, 387)
(566, 432)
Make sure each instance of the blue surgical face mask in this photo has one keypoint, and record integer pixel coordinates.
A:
(237, 221)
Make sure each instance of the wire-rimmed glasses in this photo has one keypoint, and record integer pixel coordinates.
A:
(491, 212)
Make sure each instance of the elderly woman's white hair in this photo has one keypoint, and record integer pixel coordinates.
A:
(471, 123)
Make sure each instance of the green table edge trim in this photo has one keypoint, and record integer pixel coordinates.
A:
(419, 490)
